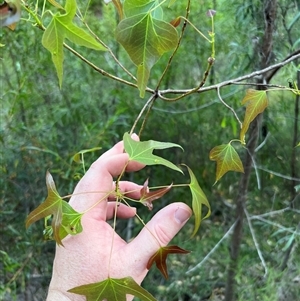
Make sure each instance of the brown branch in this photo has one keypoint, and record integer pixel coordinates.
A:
(274, 71)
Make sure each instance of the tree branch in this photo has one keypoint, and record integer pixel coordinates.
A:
(238, 79)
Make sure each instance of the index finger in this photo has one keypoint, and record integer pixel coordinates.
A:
(97, 183)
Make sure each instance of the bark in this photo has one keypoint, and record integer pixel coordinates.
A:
(269, 12)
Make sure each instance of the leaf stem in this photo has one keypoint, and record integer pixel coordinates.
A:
(177, 46)
(197, 30)
(228, 107)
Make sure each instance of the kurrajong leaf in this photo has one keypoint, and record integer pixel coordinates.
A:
(145, 36)
(147, 197)
(160, 258)
(112, 289)
(141, 151)
(227, 160)
(61, 27)
(198, 199)
(65, 220)
(256, 102)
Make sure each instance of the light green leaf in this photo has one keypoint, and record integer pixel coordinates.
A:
(145, 37)
(61, 27)
(141, 151)
(112, 289)
(227, 159)
(256, 102)
(71, 221)
(65, 220)
(198, 199)
(78, 156)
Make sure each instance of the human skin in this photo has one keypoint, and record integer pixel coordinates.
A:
(98, 252)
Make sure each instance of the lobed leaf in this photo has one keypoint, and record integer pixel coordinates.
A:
(65, 220)
(113, 289)
(227, 160)
(145, 36)
(256, 102)
(141, 151)
(160, 258)
(71, 221)
(61, 27)
(198, 199)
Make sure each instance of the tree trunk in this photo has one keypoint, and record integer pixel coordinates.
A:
(265, 51)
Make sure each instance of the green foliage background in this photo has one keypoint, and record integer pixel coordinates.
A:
(42, 127)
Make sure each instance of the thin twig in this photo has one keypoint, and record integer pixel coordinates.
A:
(101, 70)
(176, 48)
(278, 174)
(256, 244)
(228, 107)
(263, 143)
(235, 80)
(275, 212)
(212, 250)
(109, 50)
(273, 224)
(142, 111)
(256, 171)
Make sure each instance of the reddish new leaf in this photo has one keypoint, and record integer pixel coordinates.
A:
(147, 197)
(160, 258)
(175, 22)
(112, 289)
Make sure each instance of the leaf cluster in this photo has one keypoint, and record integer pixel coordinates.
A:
(65, 220)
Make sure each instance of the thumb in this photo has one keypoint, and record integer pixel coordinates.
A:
(158, 232)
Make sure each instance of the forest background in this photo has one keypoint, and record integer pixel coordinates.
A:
(43, 126)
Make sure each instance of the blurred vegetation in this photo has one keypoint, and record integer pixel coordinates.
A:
(42, 127)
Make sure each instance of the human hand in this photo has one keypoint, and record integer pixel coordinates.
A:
(98, 252)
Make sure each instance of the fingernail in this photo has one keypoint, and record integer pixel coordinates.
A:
(182, 215)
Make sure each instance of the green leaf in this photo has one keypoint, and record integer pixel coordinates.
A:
(78, 156)
(141, 151)
(145, 36)
(65, 220)
(61, 27)
(198, 199)
(112, 289)
(71, 221)
(227, 160)
(160, 258)
(298, 145)
(51, 206)
(256, 102)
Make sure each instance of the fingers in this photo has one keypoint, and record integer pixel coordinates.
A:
(128, 189)
(97, 183)
(159, 231)
(123, 211)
